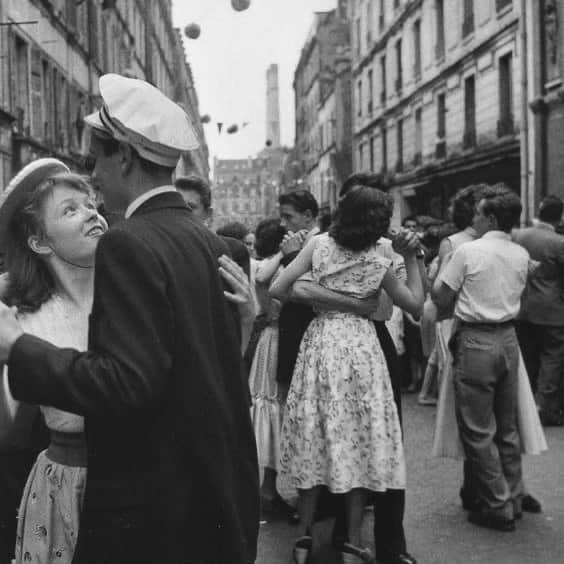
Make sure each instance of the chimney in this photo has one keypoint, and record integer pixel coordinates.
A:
(272, 107)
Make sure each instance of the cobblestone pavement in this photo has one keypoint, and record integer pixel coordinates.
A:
(436, 527)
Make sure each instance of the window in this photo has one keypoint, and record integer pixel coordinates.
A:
(399, 69)
(359, 98)
(399, 134)
(370, 91)
(468, 21)
(417, 50)
(396, 4)
(21, 81)
(440, 147)
(383, 82)
(358, 36)
(369, 23)
(372, 140)
(384, 148)
(501, 4)
(361, 156)
(418, 137)
(469, 140)
(505, 122)
(382, 17)
(440, 28)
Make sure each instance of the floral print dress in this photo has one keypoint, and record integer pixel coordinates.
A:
(341, 427)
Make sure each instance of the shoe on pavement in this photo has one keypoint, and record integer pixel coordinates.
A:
(531, 504)
(400, 558)
(490, 521)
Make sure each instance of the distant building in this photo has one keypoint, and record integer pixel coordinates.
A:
(437, 96)
(323, 106)
(49, 70)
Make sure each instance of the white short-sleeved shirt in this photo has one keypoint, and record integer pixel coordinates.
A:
(489, 275)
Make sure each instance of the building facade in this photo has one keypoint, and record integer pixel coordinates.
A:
(437, 101)
(52, 53)
(247, 190)
(322, 84)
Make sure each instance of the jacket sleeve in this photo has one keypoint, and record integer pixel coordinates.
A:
(131, 331)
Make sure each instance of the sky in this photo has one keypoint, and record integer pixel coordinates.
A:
(230, 59)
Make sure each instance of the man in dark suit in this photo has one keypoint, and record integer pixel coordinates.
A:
(541, 319)
(172, 469)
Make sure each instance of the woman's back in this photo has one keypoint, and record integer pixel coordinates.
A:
(355, 273)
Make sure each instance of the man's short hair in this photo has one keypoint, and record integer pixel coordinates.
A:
(504, 204)
(198, 185)
(235, 230)
(409, 218)
(550, 209)
(301, 201)
(370, 179)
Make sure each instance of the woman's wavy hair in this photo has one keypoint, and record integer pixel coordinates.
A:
(268, 236)
(31, 283)
(363, 215)
(464, 205)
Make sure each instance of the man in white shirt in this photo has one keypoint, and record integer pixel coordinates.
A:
(486, 278)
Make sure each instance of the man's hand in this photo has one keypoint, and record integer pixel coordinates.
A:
(235, 276)
(10, 331)
(293, 242)
(406, 243)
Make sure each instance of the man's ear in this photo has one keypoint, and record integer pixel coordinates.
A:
(125, 157)
(39, 246)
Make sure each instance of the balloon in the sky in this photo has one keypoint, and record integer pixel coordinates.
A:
(240, 5)
(205, 119)
(232, 129)
(192, 31)
(268, 142)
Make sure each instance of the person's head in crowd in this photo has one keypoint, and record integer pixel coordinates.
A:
(49, 225)
(196, 193)
(235, 229)
(298, 210)
(463, 205)
(372, 180)
(550, 210)
(269, 234)
(432, 237)
(499, 209)
(362, 216)
(249, 240)
(136, 140)
(410, 222)
(324, 221)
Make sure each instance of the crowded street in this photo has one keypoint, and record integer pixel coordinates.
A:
(281, 282)
(435, 523)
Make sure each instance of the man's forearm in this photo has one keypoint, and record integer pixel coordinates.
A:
(316, 296)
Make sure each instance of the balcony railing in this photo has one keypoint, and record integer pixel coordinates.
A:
(440, 149)
(505, 126)
(417, 159)
(469, 139)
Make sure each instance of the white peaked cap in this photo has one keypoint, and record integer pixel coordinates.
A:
(137, 113)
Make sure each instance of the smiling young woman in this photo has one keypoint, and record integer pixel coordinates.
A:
(49, 231)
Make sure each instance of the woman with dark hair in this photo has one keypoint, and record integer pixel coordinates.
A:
(341, 427)
(49, 231)
(266, 396)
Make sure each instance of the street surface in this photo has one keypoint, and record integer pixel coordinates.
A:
(436, 527)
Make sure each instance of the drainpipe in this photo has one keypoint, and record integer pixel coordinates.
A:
(525, 180)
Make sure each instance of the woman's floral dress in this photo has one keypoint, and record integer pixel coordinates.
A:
(341, 427)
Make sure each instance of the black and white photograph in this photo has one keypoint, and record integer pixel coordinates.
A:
(281, 282)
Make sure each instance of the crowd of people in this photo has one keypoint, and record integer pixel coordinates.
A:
(165, 385)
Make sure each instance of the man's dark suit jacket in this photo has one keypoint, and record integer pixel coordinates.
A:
(172, 468)
(542, 302)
